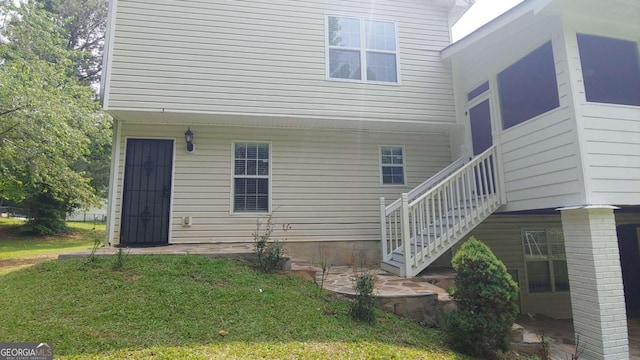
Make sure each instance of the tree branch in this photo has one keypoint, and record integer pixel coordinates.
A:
(89, 44)
(8, 129)
(7, 112)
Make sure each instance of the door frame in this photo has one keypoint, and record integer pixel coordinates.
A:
(496, 129)
(118, 224)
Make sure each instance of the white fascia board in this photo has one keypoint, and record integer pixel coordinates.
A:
(588, 207)
(455, 8)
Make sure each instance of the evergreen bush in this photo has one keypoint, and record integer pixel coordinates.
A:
(485, 294)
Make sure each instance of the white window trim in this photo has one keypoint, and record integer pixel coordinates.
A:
(362, 49)
(404, 165)
(233, 176)
(549, 260)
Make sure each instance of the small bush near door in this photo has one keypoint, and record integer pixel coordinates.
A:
(485, 294)
(269, 251)
(362, 306)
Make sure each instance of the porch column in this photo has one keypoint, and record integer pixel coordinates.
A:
(595, 279)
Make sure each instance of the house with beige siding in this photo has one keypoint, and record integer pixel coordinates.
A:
(361, 125)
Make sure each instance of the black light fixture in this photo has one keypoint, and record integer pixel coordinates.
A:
(188, 137)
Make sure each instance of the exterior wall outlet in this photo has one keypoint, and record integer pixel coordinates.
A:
(187, 221)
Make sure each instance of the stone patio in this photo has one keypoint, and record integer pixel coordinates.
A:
(340, 279)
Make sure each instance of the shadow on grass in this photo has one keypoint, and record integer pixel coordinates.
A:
(175, 307)
(15, 246)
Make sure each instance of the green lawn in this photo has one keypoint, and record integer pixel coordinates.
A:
(14, 246)
(173, 307)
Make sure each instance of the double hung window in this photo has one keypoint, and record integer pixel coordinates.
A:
(251, 177)
(362, 49)
(392, 165)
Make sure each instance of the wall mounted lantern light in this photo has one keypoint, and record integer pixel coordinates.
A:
(188, 137)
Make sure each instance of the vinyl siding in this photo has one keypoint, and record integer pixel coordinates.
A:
(325, 184)
(610, 134)
(612, 153)
(540, 157)
(268, 58)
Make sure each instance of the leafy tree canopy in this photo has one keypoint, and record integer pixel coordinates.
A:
(49, 119)
(84, 24)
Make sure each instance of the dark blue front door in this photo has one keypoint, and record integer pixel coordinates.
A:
(481, 138)
(480, 118)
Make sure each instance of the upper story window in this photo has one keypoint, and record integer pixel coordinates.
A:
(251, 177)
(546, 262)
(528, 88)
(610, 69)
(362, 50)
(392, 165)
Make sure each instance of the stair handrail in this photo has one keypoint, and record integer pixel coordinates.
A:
(429, 184)
(477, 181)
(476, 160)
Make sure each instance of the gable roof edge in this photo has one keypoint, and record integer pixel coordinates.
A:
(522, 9)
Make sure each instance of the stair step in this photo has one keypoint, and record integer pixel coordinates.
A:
(392, 266)
(398, 255)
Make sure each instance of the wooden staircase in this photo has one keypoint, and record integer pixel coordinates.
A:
(427, 221)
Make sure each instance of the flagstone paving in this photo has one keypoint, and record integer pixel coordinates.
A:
(341, 279)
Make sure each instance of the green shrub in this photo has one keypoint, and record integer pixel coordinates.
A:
(269, 252)
(485, 295)
(46, 216)
(362, 306)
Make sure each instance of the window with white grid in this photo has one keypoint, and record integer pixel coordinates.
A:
(392, 165)
(362, 50)
(251, 177)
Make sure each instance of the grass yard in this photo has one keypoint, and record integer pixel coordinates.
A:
(18, 251)
(173, 307)
(14, 246)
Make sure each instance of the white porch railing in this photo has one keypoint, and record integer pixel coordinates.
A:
(417, 229)
(429, 183)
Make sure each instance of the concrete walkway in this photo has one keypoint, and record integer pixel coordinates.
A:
(224, 250)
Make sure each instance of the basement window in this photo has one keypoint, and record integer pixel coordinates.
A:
(610, 69)
(528, 88)
(545, 259)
